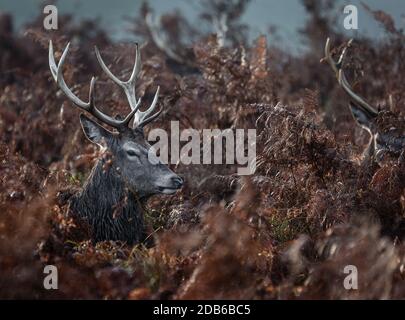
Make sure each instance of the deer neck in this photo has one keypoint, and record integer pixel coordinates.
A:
(109, 207)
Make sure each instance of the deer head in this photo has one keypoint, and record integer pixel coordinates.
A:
(133, 162)
(386, 129)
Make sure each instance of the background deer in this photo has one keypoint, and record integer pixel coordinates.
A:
(386, 129)
(113, 196)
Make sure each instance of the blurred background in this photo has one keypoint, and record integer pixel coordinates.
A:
(283, 19)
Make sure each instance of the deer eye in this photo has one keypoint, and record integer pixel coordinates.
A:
(132, 153)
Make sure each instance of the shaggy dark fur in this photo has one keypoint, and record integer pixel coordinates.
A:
(112, 211)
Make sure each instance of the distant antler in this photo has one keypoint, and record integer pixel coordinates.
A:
(141, 118)
(161, 40)
(337, 68)
(220, 24)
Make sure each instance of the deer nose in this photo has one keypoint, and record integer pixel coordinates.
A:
(177, 182)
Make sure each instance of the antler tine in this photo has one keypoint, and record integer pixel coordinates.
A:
(90, 107)
(58, 77)
(142, 117)
(346, 86)
(160, 39)
(337, 68)
(127, 86)
(103, 117)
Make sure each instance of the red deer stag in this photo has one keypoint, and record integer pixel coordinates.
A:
(386, 129)
(133, 176)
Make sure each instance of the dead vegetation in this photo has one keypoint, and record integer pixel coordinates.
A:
(287, 232)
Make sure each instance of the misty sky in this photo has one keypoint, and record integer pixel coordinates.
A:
(287, 15)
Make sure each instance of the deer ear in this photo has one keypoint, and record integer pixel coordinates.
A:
(93, 131)
(362, 117)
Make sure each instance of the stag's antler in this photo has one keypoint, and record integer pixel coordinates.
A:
(161, 40)
(140, 118)
(337, 68)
